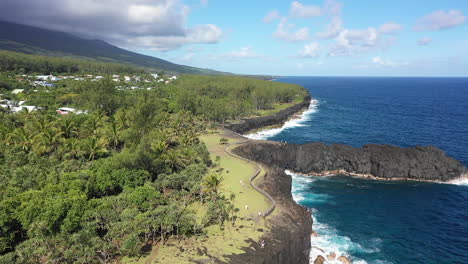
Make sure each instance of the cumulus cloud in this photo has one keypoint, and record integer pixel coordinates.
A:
(310, 50)
(198, 34)
(299, 10)
(271, 16)
(246, 52)
(440, 20)
(424, 41)
(349, 42)
(333, 10)
(187, 57)
(285, 31)
(153, 25)
(379, 61)
(390, 28)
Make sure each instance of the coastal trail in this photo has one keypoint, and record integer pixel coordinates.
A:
(220, 245)
(259, 170)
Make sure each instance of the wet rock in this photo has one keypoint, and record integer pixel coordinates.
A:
(331, 256)
(319, 260)
(344, 260)
(314, 234)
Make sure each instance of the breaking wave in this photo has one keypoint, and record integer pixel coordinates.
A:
(297, 121)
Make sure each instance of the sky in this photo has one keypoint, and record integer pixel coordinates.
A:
(287, 38)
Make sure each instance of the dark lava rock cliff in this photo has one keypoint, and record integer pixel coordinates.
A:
(383, 161)
(247, 125)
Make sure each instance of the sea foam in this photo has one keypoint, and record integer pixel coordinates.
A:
(461, 181)
(328, 239)
(297, 121)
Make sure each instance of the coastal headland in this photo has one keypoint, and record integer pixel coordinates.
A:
(420, 163)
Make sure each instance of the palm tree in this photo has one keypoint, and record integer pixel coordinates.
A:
(94, 147)
(113, 134)
(68, 127)
(212, 184)
(20, 137)
(48, 141)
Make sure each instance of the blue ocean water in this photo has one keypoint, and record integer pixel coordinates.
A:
(380, 221)
(398, 111)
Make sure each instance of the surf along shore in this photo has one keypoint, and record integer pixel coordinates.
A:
(317, 159)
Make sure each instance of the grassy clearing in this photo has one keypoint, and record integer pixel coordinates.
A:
(278, 107)
(219, 243)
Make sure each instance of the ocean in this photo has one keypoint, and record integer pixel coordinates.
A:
(374, 221)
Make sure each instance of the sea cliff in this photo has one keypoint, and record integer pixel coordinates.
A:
(246, 125)
(380, 161)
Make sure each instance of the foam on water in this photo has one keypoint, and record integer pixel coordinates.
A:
(461, 181)
(294, 122)
(328, 239)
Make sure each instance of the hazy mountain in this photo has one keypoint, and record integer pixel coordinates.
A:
(33, 40)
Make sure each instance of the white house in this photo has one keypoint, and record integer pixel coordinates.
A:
(17, 91)
(43, 77)
(155, 75)
(68, 110)
(30, 108)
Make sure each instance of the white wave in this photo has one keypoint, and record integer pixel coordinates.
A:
(294, 122)
(328, 240)
(461, 181)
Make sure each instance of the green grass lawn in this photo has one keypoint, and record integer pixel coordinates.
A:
(220, 243)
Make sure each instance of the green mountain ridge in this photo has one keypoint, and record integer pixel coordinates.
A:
(33, 40)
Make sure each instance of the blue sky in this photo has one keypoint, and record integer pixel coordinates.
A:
(308, 37)
(424, 38)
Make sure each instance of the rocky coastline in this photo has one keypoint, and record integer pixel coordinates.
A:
(371, 161)
(292, 228)
(250, 124)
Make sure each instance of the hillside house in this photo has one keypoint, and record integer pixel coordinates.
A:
(68, 110)
(17, 91)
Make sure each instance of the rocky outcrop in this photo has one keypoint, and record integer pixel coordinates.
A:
(319, 260)
(250, 124)
(382, 161)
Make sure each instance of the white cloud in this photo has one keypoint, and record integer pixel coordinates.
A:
(333, 10)
(188, 57)
(310, 50)
(142, 24)
(271, 16)
(246, 52)
(440, 20)
(349, 42)
(299, 10)
(379, 61)
(285, 31)
(204, 2)
(390, 28)
(332, 29)
(199, 34)
(424, 41)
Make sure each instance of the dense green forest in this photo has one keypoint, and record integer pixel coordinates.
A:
(94, 187)
(23, 63)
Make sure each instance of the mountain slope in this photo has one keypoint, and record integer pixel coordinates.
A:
(32, 40)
